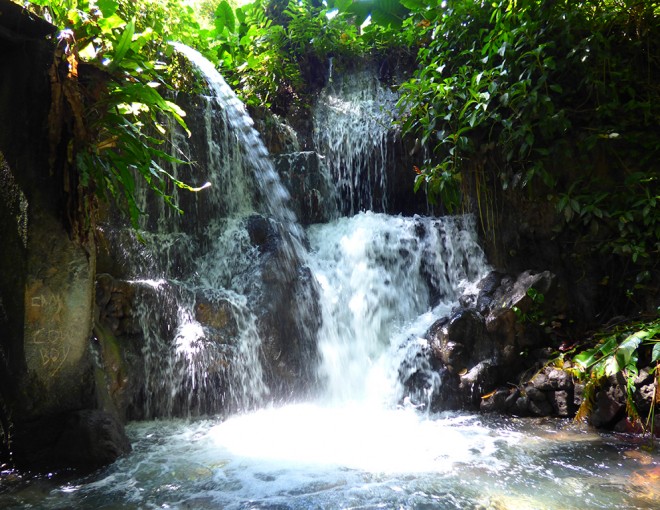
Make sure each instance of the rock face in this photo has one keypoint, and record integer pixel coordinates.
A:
(46, 276)
(85, 440)
(489, 339)
(494, 353)
(286, 306)
(309, 186)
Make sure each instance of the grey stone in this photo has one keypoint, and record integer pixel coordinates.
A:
(535, 394)
(561, 402)
(541, 408)
(522, 406)
(497, 402)
(610, 404)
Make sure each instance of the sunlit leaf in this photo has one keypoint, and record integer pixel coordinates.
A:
(655, 354)
(107, 7)
(224, 17)
(123, 44)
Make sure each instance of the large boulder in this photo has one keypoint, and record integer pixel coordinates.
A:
(85, 440)
(493, 339)
(47, 262)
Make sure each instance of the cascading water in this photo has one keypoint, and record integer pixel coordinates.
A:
(273, 194)
(363, 443)
(383, 281)
(352, 128)
(201, 281)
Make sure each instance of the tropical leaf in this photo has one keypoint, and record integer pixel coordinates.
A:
(123, 45)
(655, 354)
(107, 7)
(224, 17)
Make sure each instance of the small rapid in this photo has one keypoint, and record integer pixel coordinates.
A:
(384, 279)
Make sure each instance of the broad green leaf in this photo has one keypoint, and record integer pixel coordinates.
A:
(655, 354)
(224, 17)
(608, 347)
(612, 366)
(586, 358)
(415, 5)
(107, 7)
(240, 14)
(110, 23)
(342, 5)
(123, 44)
(628, 347)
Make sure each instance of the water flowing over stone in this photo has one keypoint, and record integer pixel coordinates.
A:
(198, 304)
(383, 279)
(352, 130)
(272, 193)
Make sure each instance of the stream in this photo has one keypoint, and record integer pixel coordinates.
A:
(309, 456)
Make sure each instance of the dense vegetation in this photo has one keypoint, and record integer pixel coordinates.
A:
(560, 99)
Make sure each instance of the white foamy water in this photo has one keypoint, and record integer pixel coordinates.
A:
(383, 281)
(303, 457)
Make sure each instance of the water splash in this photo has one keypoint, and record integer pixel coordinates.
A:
(384, 280)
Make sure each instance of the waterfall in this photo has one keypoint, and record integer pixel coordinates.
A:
(272, 192)
(352, 129)
(383, 281)
(230, 314)
(204, 315)
(234, 311)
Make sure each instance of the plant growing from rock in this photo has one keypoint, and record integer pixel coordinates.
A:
(621, 353)
(120, 117)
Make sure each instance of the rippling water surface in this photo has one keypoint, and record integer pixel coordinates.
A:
(312, 457)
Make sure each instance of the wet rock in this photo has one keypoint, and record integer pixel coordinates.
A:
(645, 394)
(85, 440)
(92, 439)
(522, 406)
(540, 381)
(262, 233)
(513, 299)
(534, 394)
(216, 314)
(461, 341)
(610, 404)
(487, 287)
(540, 407)
(311, 192)
(492, 338)
(481, 379)
(578, 392)
(115, 300)
(561, 403)
(552, 379)
(497, 402)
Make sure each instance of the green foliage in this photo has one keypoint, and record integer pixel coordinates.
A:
(267, 49)
(128, 118)
(387, 13)
(534, 315)
(560, 98)
(619, 352)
